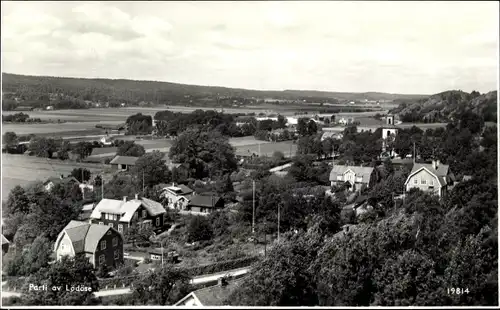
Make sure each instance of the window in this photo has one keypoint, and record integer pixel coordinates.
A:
(120, 228)
(101, 223)
(109, 232)
(423, 182)
(115, 241)
(101, 259)
(415, 181)
(431, 183)
(110, 225)
(103, 245)
(117, 255)
(144, 213)
(63, 246)
(157, 221)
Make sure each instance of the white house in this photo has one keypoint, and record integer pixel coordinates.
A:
(177, 197)
(434, 178)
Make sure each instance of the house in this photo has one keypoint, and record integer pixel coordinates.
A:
(346, 120)
(177, 197)
(211, 296)
(434, 178)
(359, 177)
(123, 214)
(86, 211)
(5, 245)
(24, 108)
(107, 140)
(51, 182)
(205, 203)
(50, 107)
(100, 244)
(123, 163)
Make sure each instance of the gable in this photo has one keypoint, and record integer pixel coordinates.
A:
(424, 173)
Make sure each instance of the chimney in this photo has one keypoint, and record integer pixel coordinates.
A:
(124, 198)
(435, 164)
(61, 176)
(136, 196)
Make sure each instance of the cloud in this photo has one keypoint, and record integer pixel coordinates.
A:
(344, 46)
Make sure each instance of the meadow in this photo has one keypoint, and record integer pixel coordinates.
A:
(23, 170)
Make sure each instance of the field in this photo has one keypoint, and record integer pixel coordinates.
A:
(22, 170)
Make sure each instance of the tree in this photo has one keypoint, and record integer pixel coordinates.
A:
(17, 201)
(28, 261)
(42, 147)
(205, 153)
(302, 128)
(162, 287)
(220, 223)
(69, 273)
(139, 233)
(81, 174)
(278, 155)
(122, 186)
(152, 167)
(83, 149)
(130, 148)
(199, 229)
(408, 280)
(283, 278)
(281, 121)
(312, 128)
(10, 139)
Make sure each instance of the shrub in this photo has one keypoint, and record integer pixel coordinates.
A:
(199, 229)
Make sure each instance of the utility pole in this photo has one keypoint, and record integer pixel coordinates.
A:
(102, 188)
(83, 189)
(278, 222)
(259, 149)
(265, 238)
(161, 253)
(414, 153)
(143, 186)
(253, 208)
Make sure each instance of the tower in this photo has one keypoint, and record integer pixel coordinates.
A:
(390, 119)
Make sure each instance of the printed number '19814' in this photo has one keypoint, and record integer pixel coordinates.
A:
(458, 291)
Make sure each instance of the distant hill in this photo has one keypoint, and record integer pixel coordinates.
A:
(444, 106)
(131, 91)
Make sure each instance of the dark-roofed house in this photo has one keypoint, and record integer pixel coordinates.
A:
(123, 163)
(434, 178)
(211, 296)
(122, 214)
(205, 203)
(51, 182)
(5, 244)
(100, 244)
(359, 177)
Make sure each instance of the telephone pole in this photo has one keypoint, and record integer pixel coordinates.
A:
(143, 186)
(278, 222)
(253, 208)
(102, 188)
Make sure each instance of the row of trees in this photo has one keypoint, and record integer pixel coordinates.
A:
(20, 118)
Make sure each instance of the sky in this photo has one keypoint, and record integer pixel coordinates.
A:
(395, 47)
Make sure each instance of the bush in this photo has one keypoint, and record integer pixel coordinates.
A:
(147, 260)
(199, 229)
(222, 266)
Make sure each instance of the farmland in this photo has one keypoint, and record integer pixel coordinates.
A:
(22, 170)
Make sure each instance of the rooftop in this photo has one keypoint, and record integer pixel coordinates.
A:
(124, 160)
(208, 201)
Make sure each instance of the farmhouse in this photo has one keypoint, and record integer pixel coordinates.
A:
(205, 203)
(100, 244)
(434, 178)
(358, 177)
(51, 182)
(123, 163)
(124, 214)
(212, 296)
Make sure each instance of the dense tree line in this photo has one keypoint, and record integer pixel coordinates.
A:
(139, 124)
(20, 118)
